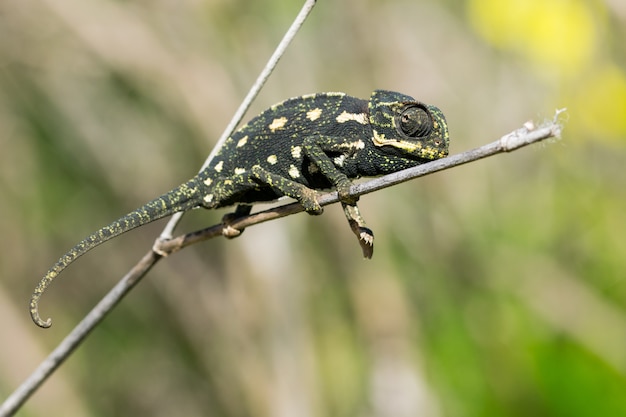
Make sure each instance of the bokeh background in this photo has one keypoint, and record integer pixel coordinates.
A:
(497, 288)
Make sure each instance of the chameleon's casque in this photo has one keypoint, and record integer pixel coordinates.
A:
(303, 144)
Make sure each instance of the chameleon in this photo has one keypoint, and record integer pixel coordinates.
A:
(293, 149)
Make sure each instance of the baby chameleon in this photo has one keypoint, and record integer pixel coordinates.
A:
(303, 144)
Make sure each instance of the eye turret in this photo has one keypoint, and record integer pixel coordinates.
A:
(405, 127)
(415, 122)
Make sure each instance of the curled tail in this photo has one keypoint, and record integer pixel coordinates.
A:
(181, 198)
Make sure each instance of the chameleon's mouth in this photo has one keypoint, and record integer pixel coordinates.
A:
(438, 149)
(433, 153)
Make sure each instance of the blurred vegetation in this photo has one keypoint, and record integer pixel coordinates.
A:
(497, 288)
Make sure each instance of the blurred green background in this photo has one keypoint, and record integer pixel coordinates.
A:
(497, 288)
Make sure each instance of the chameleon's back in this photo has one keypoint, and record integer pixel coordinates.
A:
(274, 139)
(349, 130)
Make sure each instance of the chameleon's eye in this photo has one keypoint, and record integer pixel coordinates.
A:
(415, 122)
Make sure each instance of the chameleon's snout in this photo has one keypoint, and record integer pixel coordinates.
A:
(439, 137)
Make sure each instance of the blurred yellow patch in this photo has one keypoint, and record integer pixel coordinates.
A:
(558, 35)
(600, 105)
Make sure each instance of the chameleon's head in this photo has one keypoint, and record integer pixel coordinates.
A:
(407, 126)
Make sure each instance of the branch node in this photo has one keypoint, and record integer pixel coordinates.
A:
(157, 247)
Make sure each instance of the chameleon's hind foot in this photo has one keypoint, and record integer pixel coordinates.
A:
(343, 192)
(228, 231)
(363, 233)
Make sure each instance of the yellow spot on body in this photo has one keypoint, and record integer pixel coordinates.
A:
(208, 198)
(242, 141)
(314, 114)
(296, 151)
(219, 166)
(313, 168)
(293, 172)
(239, 171)
(208, 181)
(272, 159)
(278, 123)
(339, 160)
(357, 117)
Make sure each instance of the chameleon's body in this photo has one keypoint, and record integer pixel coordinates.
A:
(303, 144)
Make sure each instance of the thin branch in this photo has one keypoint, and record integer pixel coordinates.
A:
(245, 104)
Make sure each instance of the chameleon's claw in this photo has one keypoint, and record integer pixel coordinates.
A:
(315, 211)
(366, 240)
(230, 232)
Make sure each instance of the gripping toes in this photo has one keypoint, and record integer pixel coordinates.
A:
(308, 199)
(343, 192)
(228, 231)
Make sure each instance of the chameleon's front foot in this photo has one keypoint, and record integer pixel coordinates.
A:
(308, 200)
(363, 233)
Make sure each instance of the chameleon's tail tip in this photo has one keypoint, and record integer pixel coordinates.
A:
(38, 321)
(43, 324)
